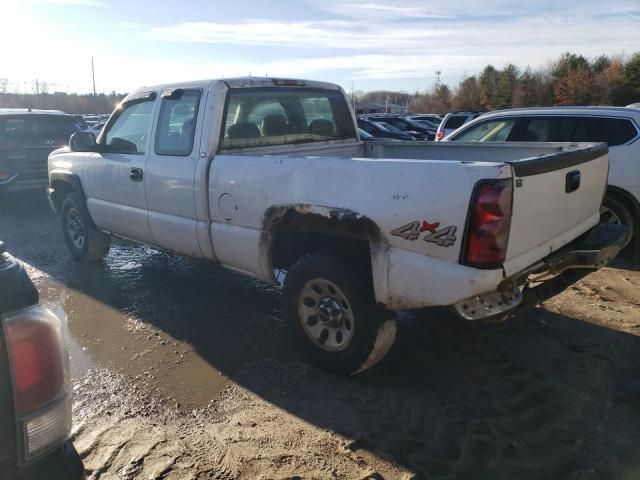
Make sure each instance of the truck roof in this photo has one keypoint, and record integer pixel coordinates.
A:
(240, 82)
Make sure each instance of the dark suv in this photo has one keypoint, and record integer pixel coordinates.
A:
(35, 391)
(27, 137)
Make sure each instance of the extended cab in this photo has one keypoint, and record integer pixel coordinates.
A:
(266, 176)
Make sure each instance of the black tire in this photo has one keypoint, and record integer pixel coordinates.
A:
(372, 330)
(84, 241)
(615, 211)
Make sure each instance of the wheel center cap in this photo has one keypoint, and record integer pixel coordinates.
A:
(330, 312)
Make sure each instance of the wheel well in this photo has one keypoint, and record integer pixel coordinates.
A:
(61, 189)
(627, 199)
(295, 233)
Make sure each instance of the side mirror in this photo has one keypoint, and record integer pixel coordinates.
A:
(83, 142)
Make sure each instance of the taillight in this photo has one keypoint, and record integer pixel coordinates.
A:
(489, 223)
(40, 370)
(5, 176)
(439, 135)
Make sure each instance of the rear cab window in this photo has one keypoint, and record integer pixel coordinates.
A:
(257, 117)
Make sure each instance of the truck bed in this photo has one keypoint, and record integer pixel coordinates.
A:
(471, 151)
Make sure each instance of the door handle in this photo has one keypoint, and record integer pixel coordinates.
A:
(136, 174)
(572, 182)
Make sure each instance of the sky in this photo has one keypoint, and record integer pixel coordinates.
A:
(364, 44)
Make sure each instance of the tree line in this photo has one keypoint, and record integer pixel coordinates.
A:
(67, 102)
(571, 79)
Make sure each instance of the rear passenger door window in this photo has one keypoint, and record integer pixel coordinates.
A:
(618, 131)
(177, 122)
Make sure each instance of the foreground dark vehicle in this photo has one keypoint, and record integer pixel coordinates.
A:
(27, 137)
(35, 394)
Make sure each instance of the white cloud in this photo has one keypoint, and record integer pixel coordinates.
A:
(394, 10)
(342, 35)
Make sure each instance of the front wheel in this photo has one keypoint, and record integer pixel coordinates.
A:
(84, 241)
(332, 312)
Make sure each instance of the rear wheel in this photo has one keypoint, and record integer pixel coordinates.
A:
(84, 241)
(331, 311)
(616, 212)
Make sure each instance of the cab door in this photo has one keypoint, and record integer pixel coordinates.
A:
(171, 171)
(113, 180)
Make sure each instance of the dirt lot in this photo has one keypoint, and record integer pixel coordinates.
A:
(183, 370)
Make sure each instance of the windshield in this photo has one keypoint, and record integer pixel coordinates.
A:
(257, 117)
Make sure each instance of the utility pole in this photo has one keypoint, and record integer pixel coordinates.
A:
(93, 77)
(38, 91)
(353, 98)
(438, 73)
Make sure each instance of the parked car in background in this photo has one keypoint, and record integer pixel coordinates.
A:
(97, 128)
(619, 127)
(80, 121)
(379, 131)
(91, 120)
(27, 137)
(432, 119)
(268, 175)
(367, 137)
(35, 390)
(428, 124)
(407, 125)
(453, 121)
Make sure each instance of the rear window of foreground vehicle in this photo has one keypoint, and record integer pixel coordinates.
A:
(36, 126)
(280, 116)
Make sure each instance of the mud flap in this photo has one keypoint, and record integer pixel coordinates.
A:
(384, 340)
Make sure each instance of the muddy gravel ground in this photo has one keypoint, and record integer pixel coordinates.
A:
(183, 370)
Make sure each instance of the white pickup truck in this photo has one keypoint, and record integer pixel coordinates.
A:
(268, 175)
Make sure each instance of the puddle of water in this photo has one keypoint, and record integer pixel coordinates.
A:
(102, 335)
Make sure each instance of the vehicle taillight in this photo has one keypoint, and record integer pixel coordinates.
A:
(439, 135)
(5, 176)
(41, 385)
(489, 223)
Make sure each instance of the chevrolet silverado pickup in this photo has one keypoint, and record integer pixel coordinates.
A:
(268, 177)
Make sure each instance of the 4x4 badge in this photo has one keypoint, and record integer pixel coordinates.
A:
(444, 237)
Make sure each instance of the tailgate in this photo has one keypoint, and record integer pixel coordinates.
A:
(556, 198)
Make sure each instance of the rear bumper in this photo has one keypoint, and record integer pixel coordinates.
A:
(551, 275)
(62, 464)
